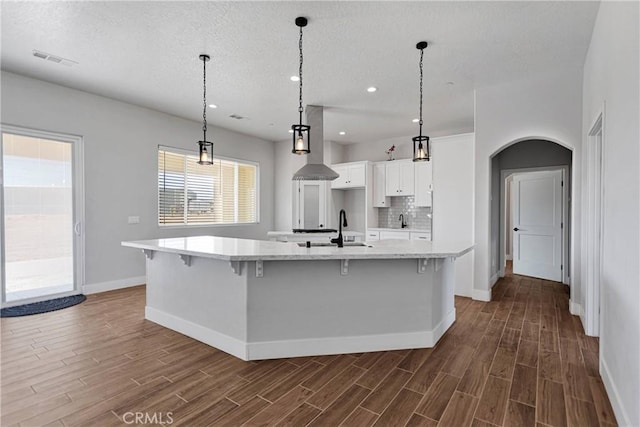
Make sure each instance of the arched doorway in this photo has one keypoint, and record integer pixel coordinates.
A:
(530, 158)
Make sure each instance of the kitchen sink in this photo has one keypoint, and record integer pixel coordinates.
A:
(321, 244)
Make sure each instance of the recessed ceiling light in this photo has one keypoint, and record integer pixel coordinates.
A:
(342, 132)
(294, 78)
(290, 130)
(372, 89)
(415, 120)
(213, 106)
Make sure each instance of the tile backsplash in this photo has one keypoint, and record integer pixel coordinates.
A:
(388, 217)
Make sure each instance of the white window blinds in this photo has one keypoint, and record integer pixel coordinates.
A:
(189, 193)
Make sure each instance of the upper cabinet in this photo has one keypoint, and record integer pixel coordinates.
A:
(423, 184)
(400, 178)
(352, 175)
(380, 199)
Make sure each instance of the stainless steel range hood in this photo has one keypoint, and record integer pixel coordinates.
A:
(315, 169)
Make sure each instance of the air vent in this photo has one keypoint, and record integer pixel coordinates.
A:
(237, 117)
(53, 58)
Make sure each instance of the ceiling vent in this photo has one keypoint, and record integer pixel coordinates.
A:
(53, 58)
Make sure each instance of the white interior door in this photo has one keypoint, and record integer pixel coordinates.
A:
(537, 224)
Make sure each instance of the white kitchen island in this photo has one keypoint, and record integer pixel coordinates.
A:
(259, 299)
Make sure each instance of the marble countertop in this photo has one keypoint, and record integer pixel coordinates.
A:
(232, 249)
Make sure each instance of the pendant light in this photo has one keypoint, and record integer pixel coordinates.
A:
(300, 131)
(421, 151)
(206, 148)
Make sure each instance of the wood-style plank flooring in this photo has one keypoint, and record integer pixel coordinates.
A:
(520, 359)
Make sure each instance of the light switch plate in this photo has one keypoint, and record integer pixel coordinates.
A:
(134, 220)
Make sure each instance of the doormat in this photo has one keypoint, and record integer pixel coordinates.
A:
(42, 306)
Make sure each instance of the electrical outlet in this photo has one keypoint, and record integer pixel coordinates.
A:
(134, 220)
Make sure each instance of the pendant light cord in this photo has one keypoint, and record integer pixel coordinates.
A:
(421, 56)
(300, 109)
(204, 101)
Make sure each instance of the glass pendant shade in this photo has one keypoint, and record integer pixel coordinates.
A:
(421, 149)
(206, 149)
(300, 139)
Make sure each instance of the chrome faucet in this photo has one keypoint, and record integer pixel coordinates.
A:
(402, 223)
(342, 222)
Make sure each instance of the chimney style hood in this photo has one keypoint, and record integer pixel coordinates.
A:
(315, 169)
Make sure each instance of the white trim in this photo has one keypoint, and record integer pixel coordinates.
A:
(94, 288)
(481, 294)
(301, 347)
(208, 336)
(594, 219)
(493, 279)
(614, 396)
(353, 344)
(508, 257)
(575, 308)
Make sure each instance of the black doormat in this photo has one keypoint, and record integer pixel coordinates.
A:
(42, 306)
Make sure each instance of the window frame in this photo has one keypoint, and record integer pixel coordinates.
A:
(177, 150)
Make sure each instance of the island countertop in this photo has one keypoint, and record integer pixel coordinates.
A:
(234, 249)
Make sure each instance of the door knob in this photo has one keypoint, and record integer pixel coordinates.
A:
(516, 229)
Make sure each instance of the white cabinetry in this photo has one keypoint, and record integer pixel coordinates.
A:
(373, 235)
(419, 236)
(310, 204)
(400, 178)
(423, 184)
(403, 235)
(380, 199)
(352, 175)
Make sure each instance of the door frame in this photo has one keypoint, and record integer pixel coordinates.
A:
(78, 209)
(566, 204)
(595, 224)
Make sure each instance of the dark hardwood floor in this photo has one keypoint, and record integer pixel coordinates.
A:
(520, 359)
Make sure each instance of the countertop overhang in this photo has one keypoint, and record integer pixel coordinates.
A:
(234, 249)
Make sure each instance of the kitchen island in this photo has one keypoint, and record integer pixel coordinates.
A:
(259, 299)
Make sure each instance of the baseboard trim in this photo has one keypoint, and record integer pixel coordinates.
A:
(575, 309)
(94, 288)
(614, 396)
(208, 336)
(301, 347)
(481, 295)
(352, 344)
(508, 257)
(493, 279)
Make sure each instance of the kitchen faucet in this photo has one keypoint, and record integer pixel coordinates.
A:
(402, 223)
(342, 221)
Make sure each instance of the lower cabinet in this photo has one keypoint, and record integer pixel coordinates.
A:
(404, 235)
(397, 234)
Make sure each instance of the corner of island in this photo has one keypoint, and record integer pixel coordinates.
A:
(259, 299)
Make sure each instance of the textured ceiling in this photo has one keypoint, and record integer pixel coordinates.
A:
(146, 53)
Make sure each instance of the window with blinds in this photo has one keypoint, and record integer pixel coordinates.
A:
(193, 194)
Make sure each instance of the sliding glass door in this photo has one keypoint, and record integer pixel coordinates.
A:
(41, 215)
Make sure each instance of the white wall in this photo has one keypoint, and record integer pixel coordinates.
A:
(611, 77)
(120, 142)
(453, 186)
(539, 107)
